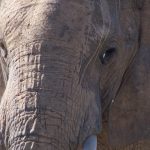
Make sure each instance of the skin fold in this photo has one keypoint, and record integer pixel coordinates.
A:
(66, 63)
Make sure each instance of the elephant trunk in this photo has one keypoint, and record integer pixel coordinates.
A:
(37, 108)
(44, 102)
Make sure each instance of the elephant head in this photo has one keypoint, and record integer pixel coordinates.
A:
(66, 63)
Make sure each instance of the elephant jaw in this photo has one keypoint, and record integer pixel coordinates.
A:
(90, 143)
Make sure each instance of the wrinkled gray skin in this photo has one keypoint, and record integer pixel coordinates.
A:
(61, 76)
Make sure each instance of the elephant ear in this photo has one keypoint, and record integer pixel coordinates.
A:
(129, 120)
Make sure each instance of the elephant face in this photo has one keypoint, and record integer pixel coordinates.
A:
(66, 63)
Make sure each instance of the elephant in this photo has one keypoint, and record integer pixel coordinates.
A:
(69, 65)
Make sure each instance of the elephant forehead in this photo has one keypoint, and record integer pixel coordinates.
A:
(56, 21)
(65, 11)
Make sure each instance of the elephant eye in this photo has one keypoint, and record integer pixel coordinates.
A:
(107, 55)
